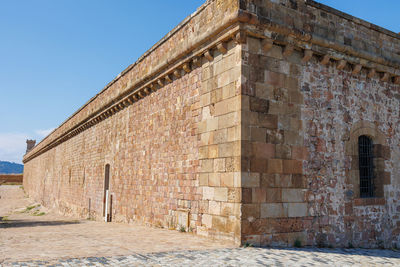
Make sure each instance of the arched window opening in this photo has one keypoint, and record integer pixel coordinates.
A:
(366, 166)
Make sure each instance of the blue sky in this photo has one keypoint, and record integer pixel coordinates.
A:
(56, 55)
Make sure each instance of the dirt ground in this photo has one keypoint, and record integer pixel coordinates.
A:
(30, 232)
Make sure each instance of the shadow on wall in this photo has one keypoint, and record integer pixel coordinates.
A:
(22, 223)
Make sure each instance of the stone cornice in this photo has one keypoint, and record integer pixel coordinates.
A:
(328, 51)
(305, 40)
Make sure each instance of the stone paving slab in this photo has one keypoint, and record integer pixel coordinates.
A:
(238, 257)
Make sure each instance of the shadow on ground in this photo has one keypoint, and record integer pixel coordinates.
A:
(26, 223)
(386, 253)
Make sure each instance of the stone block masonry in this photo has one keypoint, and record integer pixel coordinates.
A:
(241, 124)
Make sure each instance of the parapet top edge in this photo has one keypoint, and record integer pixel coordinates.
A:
(352, 18)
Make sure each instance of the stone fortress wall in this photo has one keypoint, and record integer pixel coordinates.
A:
(11, 178)
(317, 79)
(242, 124)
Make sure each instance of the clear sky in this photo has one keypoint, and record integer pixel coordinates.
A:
(56, 55)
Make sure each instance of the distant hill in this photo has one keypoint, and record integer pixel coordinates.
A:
(10, 167)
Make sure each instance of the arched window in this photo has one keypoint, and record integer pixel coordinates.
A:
(366, 166)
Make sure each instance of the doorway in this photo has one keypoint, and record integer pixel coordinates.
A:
(106, 188)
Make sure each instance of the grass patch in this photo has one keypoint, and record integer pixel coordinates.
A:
(29, 208)
(5, 218)
(37, 213)
(182, 229)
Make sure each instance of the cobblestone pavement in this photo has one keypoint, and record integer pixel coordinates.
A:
(238, 257)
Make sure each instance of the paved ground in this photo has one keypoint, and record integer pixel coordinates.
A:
(52, 240)
(24, 235)
(238, 257)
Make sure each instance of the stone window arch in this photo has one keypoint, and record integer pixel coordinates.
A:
(380, 152)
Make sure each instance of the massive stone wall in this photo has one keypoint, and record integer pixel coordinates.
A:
(241, 124)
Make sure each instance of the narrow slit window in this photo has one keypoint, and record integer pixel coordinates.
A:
(366, 166)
